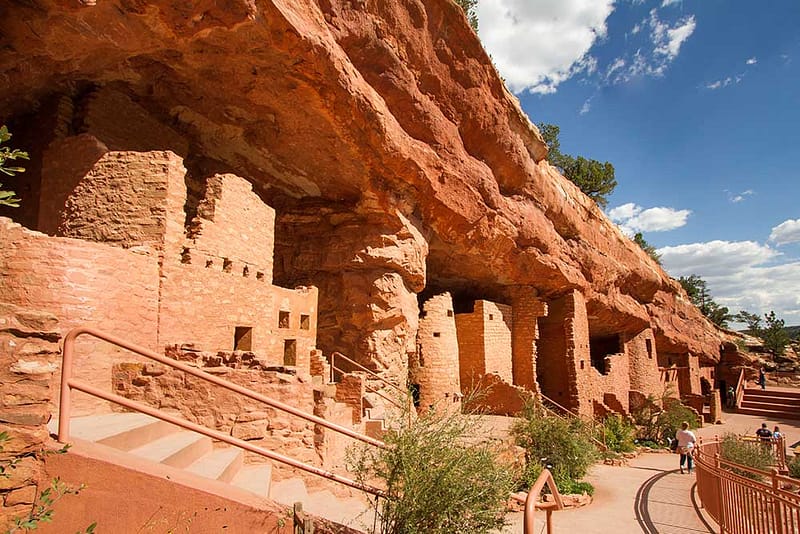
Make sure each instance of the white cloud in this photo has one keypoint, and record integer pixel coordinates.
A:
(666, 3)
(736, 198)
(587, 106)
(741, 275)
(720, 83)
(786, 232)
(668, 40)
(751, 61)
(536, 45)
(632, 218)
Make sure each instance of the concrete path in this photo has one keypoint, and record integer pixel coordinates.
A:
(649, 495)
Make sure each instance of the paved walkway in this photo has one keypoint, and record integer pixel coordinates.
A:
(649, 495)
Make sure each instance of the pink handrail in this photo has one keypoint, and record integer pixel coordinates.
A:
(68, 383)
(532, 502)
(362, 368)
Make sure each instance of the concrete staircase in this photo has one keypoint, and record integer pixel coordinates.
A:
(770, 403)
(156, 441)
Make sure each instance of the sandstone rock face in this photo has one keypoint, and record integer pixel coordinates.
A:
(381, 134)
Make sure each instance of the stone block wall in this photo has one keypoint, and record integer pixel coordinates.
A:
(215, 407)
(497, 324)
(527, 308)
(29, 355)
(433, 370)
(554, 364)
(127, 199)
(83, 283)
(498, 397)
(643, 363)
(472, 363)
(350, 391)
(233, 228)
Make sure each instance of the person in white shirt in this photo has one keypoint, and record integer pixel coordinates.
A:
(686, 440)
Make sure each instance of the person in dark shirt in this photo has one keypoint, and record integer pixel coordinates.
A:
(764, 433)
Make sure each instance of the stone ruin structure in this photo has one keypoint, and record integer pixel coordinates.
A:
(254, 185)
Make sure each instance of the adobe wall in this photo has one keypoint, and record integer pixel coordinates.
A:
(471, 360)
(437, 358)
(497, 324)
(83, 284)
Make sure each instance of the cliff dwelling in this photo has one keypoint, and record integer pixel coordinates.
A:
(253, 188)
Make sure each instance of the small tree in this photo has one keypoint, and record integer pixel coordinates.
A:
(752, 320)
(469, 10)
(595, 179)
(698, 293)
(774, 334)
(647, 247)
(9, 198)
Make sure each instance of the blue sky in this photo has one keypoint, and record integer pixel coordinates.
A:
(697, 105)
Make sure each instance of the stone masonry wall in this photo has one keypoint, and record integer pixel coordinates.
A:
(127, 199)
(471, 360)
(83, 284)
(497, 324)
(527, 308)
(437, 356)
(552, 363)
(644, 374)
(29, 355)
(217, 408)
(234, 228)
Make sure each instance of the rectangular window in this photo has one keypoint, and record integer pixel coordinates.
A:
(283, 319)
(305, 321)
(243, 338)
(649, 344)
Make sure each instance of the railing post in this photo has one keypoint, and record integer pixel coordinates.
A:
(776, 502)
(65, 406)
(720, 500)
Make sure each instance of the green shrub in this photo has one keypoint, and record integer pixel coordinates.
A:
(794, 467)
(747, 453)
(562, 445)
(618, 434)
(435, 481)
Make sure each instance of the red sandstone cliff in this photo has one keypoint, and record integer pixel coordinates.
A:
(379, 131)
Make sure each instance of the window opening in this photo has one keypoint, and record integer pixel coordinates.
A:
(283, 319)
(305, 321)
(290, 352)
(243, 338)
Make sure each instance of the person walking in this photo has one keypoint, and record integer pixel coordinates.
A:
(686, 440)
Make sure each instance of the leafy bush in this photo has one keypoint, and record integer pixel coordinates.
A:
(660, 425)
(794, 467)
(618, 434)
(562, 445)
(9, 198)
(750, 454)
(435, 481)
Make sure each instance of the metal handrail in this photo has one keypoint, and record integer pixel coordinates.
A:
(741, 504)
(740, 386)
(532, 502)
(362, 368)
(68, 383)
(372, 390)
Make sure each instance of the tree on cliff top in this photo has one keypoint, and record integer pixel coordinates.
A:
(595, 179)
(647, 247)
(773, 333)
(9, 198)
(698, 293)
(469, 9)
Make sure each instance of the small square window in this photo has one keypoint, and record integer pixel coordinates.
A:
(283, 319)
(227, 265)
(491, 317)
(305, 321)
(449, 313)
(437, 334)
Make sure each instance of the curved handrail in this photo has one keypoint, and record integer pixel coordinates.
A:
(532, 502)
(68, 383)
(742, 499)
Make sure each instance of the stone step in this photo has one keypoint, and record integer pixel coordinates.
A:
(289, 491)
(350, 511)
(178, 450)
(758, 392)
(123, 431)
(770, 414)
(255, 479)
(220, 464)
(770, 404)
